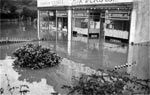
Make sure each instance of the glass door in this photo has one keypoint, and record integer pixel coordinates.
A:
(62, 28)
(94, 24)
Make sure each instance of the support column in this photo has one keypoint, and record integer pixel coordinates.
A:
(56, 26)
(69, 24)
(38, 24)
(132, 26)
(88, 11)
(69, 30)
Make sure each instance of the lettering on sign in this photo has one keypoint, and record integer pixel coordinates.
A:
(119, 15)
(80, 13)
(57, 2)
(43, 13)
(44, 3)
(80, 2)
(61, 13)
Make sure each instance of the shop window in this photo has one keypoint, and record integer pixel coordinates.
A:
(80, 22)
(47, 20)
(117, 24)
(47, 24)
(117, 29)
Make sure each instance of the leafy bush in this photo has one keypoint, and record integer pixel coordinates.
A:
(35, 57)
(112, 83)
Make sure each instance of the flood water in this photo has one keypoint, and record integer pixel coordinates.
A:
(81, 55)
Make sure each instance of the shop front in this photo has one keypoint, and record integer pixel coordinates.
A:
(94, 19)
(62, 24)
(86, 22)
(117, 24)
(80, 22)
(47, 24)
(54, 23)
(109, 21)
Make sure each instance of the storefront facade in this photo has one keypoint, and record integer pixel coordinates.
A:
(91, 18)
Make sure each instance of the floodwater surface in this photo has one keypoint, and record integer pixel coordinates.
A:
(80, 55)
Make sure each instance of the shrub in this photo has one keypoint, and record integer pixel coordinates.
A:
(112, 83)
(35, 57)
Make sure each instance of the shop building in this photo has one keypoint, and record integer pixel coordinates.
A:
(91, 18)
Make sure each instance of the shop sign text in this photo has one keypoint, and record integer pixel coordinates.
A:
(88, 2)
(61, 13)
(46, 3)
(80, 14)
(118, 15)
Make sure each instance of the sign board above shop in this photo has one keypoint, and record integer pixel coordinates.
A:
(80, 13)
(95, 2)
(61, 13)
(53, 3)
(124, 15)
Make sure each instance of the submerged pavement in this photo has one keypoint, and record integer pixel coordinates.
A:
(79, 57)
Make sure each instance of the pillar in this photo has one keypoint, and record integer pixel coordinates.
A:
(38, 24)
(69, 30)
(56, 26)
(132, 26)
(69, 24)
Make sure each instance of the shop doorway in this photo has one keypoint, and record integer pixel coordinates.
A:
(62, 24)
(97, 23)
(94, 24)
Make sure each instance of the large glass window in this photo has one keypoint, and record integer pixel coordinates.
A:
(47, 24)
(80, 22)
(117, 24)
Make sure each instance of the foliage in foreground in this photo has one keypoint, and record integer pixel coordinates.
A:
(35, 57)
(112, 83)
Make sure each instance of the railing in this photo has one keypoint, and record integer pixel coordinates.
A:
(14, 40)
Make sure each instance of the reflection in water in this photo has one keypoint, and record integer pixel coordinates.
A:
(81, 55)
(78, 58)
(95, 55)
